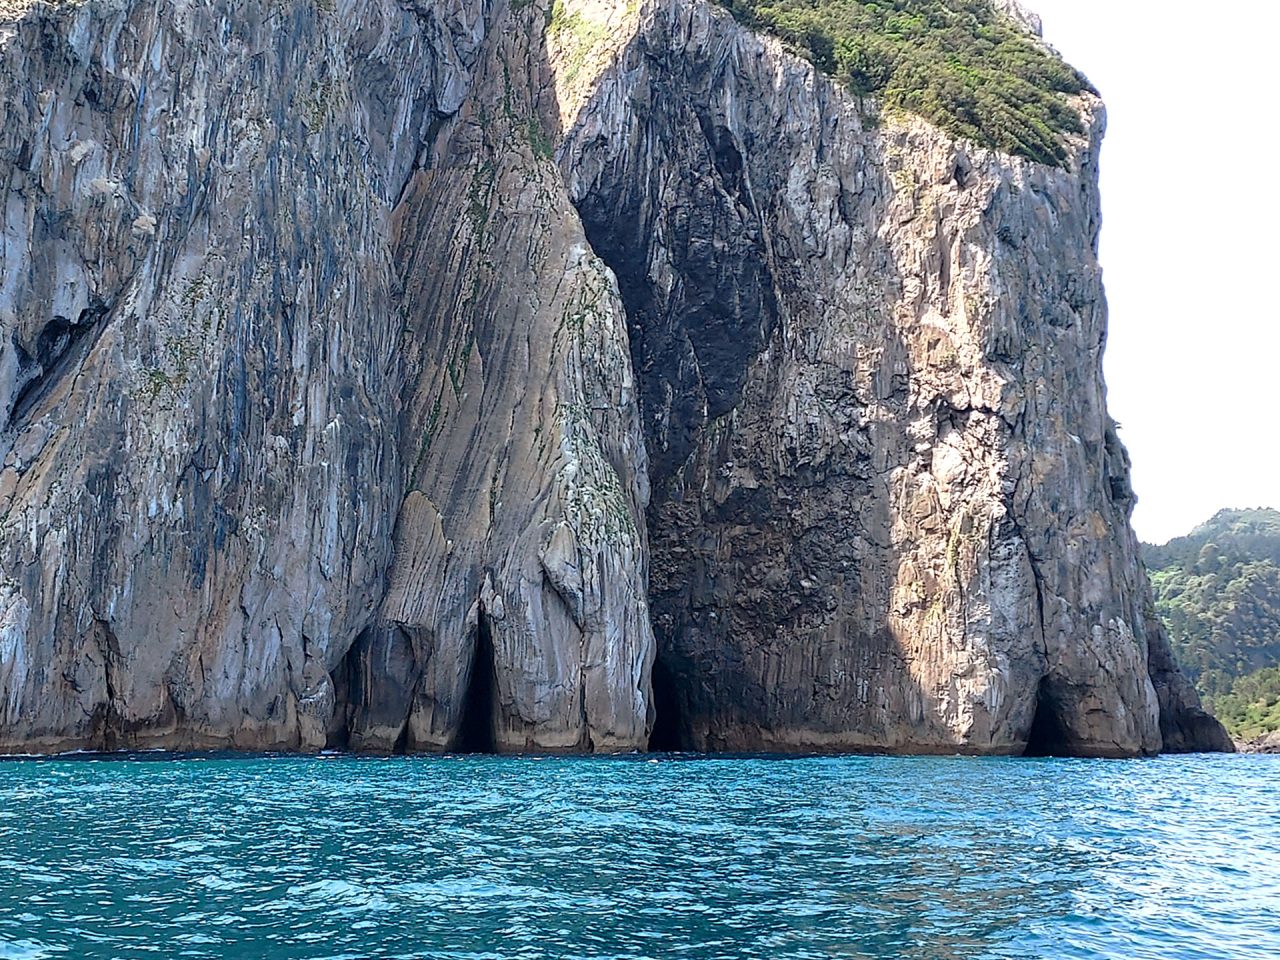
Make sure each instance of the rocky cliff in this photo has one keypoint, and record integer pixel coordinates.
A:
(483, 375)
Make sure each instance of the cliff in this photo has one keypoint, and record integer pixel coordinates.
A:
(464, 375)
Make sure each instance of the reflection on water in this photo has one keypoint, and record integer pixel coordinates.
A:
(920, 859)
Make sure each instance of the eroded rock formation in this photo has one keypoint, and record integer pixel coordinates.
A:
(406, 375)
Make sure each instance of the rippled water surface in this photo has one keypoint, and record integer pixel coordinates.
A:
(640, 857)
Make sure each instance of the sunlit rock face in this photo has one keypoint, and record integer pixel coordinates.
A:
(889, 509)
(407, 376)
(309, 379)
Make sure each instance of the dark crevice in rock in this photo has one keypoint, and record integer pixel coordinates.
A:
(476, 732)
(373, 690)
(588, 741)
(401, 746)
(59, 350)
(1118, 469)
(1049, 736)
(669, 727)
(108, 725)
(727, 158)
(425, 151)
(693, 344)
(338, 736)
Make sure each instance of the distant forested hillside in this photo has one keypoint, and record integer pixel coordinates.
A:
(1218, 592)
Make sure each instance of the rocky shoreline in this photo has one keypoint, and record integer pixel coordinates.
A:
(1267, 743)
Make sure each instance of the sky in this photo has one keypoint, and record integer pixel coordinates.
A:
(1190, 244)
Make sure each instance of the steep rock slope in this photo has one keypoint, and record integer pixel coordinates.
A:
(889, 508)
(335, 333)
(199, 486)
(250, 303)
(523, 532)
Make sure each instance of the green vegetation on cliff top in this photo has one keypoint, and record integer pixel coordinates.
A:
(958, 63)
(1218, 592)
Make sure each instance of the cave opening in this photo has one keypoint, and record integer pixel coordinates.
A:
(476, 733)
(345, 681)
(1049, 736)
(667, 735)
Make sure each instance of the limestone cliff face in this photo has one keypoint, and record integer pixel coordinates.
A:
(311, 387)
(889, 510)
(199, 483)
(405, 375)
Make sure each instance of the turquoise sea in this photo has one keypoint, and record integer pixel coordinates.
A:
(641, 857)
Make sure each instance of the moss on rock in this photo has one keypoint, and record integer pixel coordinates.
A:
(958, 63)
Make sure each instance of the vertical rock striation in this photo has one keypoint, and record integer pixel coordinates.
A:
(256, 262)
(198, 482)
(889, 508)
(521, 540)
(386, 375)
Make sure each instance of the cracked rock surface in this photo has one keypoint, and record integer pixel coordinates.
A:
(422, 376)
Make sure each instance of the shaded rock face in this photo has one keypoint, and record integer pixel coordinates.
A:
(386, 375)
(889, 509)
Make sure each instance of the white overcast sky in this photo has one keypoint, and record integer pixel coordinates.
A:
(1190, 244)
